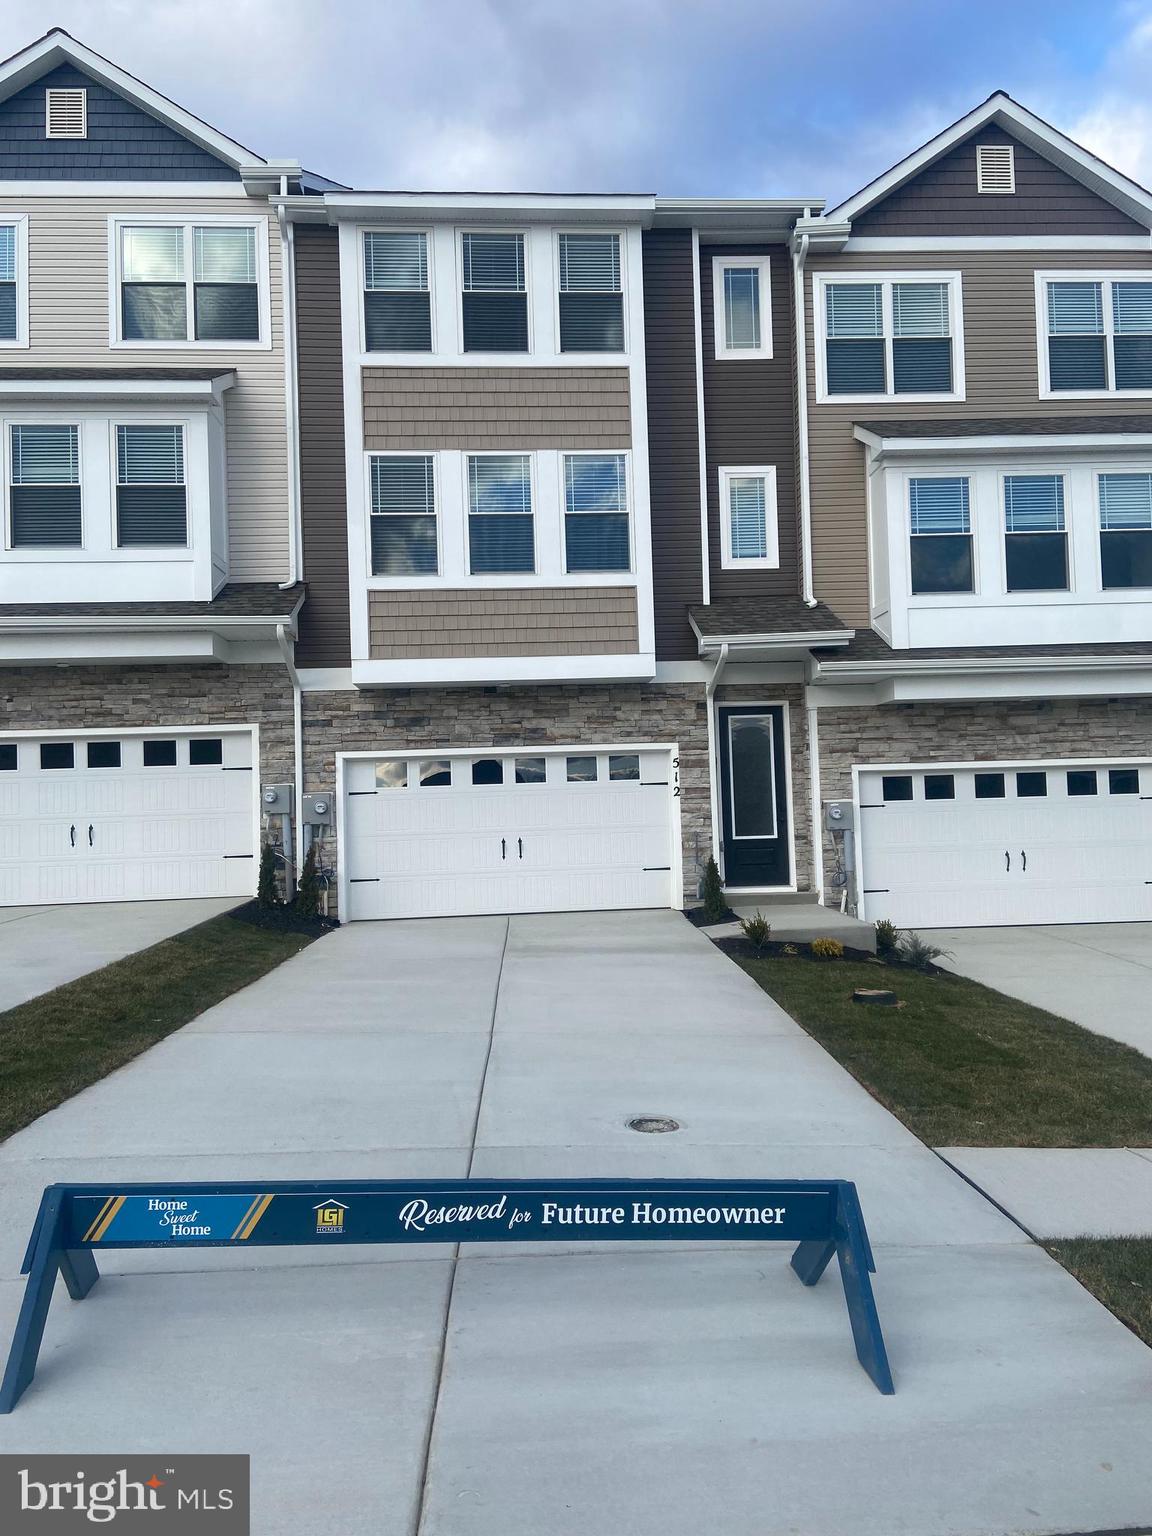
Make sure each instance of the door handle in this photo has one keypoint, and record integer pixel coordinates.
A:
(72, 834)
(1023, 858)
(503, 848)
(1007, 860)
(89, 834)
(520, 845)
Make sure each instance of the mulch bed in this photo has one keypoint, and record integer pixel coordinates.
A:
(283, 920)
(696, 917)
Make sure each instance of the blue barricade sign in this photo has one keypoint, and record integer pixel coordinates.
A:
(76, 1221)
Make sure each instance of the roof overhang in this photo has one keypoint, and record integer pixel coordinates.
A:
(954, 679)
(776, 645)
(118, 386)
(57, 47)
(1087, 168)
(722, 220)
(494, 207)
(881, 446)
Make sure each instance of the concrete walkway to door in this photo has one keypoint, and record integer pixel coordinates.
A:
(1099, 975)
(663, 1391)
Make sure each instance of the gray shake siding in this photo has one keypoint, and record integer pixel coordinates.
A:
(1001, 379)
(673, 440)
(124, 143)
(532, 621)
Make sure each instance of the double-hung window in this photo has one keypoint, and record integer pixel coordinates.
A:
(495, 296)
(189, 282)
(403, 515)
(1035, 537)
(1125, 530)
(885, 338)
(397, 295)
(501, 537)
(940, 534)
(749, 531)
(44, 487)
(742, 307)
(11, 320)
(596, 535)
(151, 492)
(1099, 334)
(591, 293)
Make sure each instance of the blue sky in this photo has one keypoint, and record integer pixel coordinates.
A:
(740, 98)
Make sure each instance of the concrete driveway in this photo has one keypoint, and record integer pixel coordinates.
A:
(1099, 975)
(43, 947)
(664, 1391)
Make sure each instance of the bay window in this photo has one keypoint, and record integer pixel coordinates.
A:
(1035, 538)
(596, 533)
(151, 493)
(1125, 530)
(182, 283)
(1097, 333)
(940, 534)
(44, 487)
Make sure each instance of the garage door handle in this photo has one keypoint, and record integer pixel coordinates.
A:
(520, 845)
(1007, 860)
(72, 834)
(1023, 858)
(89, 834)
(503, 848)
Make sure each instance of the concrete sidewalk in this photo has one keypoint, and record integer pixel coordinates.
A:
(44, 947)
(1065, 1191)
(664, 1391)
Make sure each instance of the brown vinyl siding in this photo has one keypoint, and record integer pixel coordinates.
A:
(1001, 379)
(749, 419)
(943, 200)
(485, 409)
(324, 622)
(519, 621)
(673, 438)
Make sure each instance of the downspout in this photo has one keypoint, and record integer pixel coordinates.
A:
(285, 645)
(814, 799)
(291, 407)
(713, 763)
(799, 257)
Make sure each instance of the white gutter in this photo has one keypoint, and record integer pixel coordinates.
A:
(871, 670)
(63, 623)
(799, 256)
(285, 645)
(291, 408)
(701, 439)
(713, 763)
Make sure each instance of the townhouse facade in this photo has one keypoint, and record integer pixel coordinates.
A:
(524, 552)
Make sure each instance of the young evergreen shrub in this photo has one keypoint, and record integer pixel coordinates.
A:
(712, 894)
(827, 949)
(267, 896)
(307, 903)
(757, 930)
(887, 937)
(918, 953)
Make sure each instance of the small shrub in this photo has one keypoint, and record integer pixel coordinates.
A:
(887, 937)
(307, 903)
(757, 930)
(827, 949)
(918, 952)
(267, 895)
(712, 894)
(789, 949)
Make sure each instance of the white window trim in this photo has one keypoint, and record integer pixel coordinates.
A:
(770, 561)
(19, 222)
(482, 358)
(1016, 473)
(145, 219)
(584, 229)
(414, 228)
(723, 352)
(1084, 275)
(605, 453)
(932, 599)
(820, 283)
(404, 579)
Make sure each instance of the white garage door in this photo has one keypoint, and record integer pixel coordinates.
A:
(518, 831)
(126, 818)
(993, 844)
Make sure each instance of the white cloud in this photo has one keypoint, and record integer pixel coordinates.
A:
(1117, 126)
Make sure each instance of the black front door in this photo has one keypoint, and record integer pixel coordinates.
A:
(754, 795)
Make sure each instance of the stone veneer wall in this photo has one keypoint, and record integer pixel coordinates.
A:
(404, 719)
(105, 697)
(977, 732)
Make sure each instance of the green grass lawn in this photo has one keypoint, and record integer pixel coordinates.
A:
(1117, 1270)
(963, 1065)
(54, 1045)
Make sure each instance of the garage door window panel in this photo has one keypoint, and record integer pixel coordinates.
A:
(160, 754)
(988, 786)
(205, 751)
(392, 773)
(940, 531)
(9, 757)
(1125, 502)
(1081, 781)
(103, 754)
(531, 770)
(581, 770)
(624, 768)
(44, 496)
(57, 755)
(939, 786)
(1035, 536)
(488, 770)
(404, 535)
(1123, 781)
(501, 535)
(436, 774)
(1031, 785)
(896, 786)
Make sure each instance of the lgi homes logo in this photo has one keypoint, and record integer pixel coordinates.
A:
(157, 1494)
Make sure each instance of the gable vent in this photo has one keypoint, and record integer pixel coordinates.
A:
(66, 113)
(995, 168)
